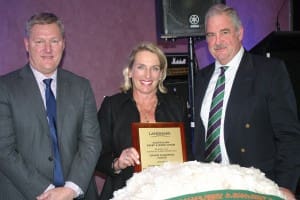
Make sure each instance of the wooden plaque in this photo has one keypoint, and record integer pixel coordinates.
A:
(158, 143)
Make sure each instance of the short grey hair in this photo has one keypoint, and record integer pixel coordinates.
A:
(43, 18)
(219, 9)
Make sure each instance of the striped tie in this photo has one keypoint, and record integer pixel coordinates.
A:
(212, 145)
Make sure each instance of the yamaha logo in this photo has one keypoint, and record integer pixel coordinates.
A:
(194, 21)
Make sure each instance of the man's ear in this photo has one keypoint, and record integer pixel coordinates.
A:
(241, 33)
(64, 44)
(26, 43)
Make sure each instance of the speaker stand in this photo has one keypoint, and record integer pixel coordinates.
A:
(191, 107)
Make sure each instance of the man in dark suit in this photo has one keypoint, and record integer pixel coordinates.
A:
(257, 123)
(26, 148)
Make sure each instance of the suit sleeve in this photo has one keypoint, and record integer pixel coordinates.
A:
(89, 143)
(14, 169)
(283, 113)
(105, 119)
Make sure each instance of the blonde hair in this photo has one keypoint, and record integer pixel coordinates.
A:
(145, 46)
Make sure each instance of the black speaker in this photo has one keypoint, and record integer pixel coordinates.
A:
(296, 15)
(182, 18)
(178, 87)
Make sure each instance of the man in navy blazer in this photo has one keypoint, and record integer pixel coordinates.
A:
(259, 122)
(26, 154)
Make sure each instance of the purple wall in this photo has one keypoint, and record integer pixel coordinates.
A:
(100, 34)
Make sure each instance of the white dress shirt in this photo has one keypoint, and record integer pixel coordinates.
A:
(206, 103)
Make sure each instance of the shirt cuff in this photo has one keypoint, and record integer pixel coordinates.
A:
(70, 185)
(74, 187)
(51, 186)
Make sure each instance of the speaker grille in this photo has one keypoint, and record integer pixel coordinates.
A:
(182, 18)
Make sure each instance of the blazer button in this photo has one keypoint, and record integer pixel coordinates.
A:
(247, 125)
(50, 158)
(243, 150)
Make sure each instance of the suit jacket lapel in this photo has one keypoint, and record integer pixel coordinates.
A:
(240, 97)
(202, 81)
(61, 100)
(30, 87)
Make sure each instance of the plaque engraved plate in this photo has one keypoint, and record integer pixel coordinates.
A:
(158, 143)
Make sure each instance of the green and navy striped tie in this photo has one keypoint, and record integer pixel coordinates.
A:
(212, 142)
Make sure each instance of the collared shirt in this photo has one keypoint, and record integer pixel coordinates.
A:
(39, 77)
(229, 78)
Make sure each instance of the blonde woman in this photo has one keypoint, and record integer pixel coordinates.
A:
(143, 98)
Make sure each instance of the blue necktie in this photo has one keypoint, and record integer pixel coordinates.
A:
(212, 143)
(58, 178)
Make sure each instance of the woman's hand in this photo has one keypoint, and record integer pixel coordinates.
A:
(128, 157)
